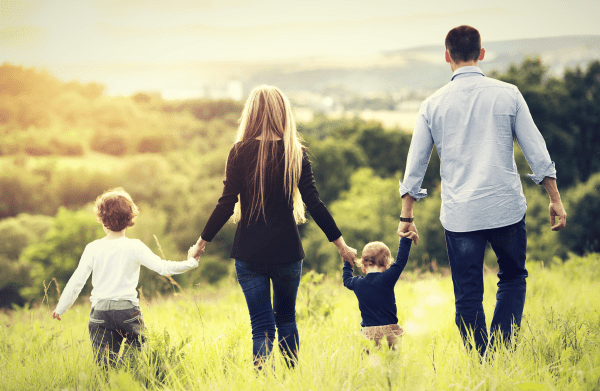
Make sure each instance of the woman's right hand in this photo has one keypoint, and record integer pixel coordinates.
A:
(348, 253)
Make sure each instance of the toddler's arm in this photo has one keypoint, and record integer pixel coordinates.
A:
(393, 273)
(75, 284)
(161, 266)
(347, 276)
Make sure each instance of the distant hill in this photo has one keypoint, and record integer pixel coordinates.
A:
(409, 69)
(421, 67)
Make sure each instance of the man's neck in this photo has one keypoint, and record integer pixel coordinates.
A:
(455, 65)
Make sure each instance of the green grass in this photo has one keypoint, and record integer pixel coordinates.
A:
(202, 340)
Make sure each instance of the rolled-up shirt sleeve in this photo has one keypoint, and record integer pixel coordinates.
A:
(532, 143)
(417, 161)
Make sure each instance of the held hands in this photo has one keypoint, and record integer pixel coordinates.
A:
(56, 316)
(192, 253)
(348, 253)
(557, 210)
(197, 249)
(408, 230)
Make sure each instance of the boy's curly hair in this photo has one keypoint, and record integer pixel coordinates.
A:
(375, 254)
(115, 209)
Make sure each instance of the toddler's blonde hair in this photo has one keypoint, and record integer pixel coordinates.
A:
(375, 254)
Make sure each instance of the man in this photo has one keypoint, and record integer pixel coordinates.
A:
(473, 121)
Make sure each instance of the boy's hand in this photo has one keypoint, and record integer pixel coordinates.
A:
(197, 249)
(56, 316)
(192, 253)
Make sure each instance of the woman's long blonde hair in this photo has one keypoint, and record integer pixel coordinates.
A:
(267, 116)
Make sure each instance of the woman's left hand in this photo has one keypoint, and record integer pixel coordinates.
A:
(348, 253)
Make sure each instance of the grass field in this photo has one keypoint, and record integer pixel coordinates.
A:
(201, 340)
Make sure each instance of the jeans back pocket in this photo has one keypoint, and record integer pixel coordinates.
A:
(290, 271)
(242, 271)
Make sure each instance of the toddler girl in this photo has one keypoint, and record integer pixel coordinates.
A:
(375, 290)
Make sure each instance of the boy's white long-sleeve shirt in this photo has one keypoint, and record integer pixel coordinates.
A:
(115, 268)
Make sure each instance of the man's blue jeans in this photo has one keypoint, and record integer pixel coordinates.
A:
(465, 252)
(255, 280)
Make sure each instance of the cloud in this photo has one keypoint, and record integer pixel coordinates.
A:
(22, 38)
(118, 7)
(12, 11)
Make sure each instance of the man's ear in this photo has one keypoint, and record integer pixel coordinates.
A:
(447, 55)
(482, 54)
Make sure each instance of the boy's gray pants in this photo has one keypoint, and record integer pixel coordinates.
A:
(112, 322)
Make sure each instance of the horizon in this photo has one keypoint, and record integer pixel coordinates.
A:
(115, 43)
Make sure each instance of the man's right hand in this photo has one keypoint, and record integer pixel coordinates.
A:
(556, 207)
(408, 230)
(557, 210)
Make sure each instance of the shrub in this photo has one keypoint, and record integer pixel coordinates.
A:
(154, 144)
(36, 147)
(77, 187)
(16, 233)
(67, 147)
(14, 277)
(213, 270)
(542, 242)
(21, 191)
(9, 144)
(582, 233)
(344, 155)
(58, 254)
(109, 143)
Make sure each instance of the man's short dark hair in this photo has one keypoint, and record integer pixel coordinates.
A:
(463, 43)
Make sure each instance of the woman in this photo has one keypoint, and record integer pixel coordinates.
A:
(269, 170)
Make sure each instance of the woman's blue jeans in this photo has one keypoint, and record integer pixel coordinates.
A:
(466, 252)
(255, 280)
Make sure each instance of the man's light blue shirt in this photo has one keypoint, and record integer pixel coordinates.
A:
(473, 121)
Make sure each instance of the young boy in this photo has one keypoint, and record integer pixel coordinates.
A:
(375, 290)
(114, 262)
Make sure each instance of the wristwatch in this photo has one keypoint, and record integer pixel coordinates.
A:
(407, 219)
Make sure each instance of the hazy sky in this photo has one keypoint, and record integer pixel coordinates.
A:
(58, 33)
